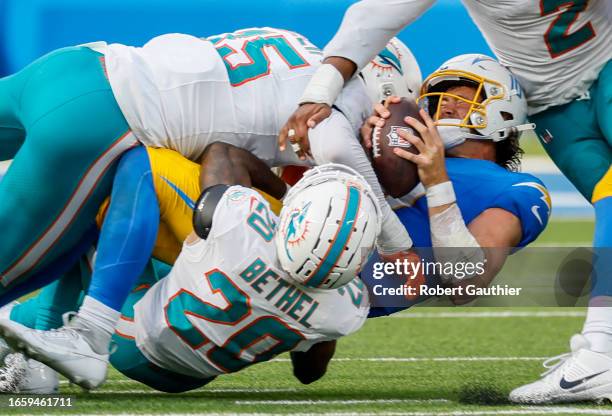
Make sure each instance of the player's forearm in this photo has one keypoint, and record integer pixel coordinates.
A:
(260, 175)
(345, 66)
(366, 29)
(451, 239)
(368, 25)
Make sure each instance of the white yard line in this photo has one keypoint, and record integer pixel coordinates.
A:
(491, 314)
(544, 410)
(342, 402)
(426, 359)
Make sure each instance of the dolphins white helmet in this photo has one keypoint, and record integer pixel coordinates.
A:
(328, 227)
(394, 71)
(497, 110)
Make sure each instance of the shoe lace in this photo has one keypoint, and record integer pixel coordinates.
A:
(555, 362)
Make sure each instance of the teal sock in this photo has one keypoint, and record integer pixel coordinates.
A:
(25, 312)
(57, 298)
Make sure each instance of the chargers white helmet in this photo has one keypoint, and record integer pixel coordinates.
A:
(497, 110)
(394, 71)
(328, 227)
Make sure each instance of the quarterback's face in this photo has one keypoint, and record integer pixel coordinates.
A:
(455, 108)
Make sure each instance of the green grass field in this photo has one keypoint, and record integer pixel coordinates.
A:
(425, 361)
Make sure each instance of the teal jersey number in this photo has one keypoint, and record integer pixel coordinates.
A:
(262, 339)
(261, 222)
(268, 336)
(185, 303)
(558, 38)
(250, 60)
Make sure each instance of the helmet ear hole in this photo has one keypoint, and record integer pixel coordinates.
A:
(506, 115)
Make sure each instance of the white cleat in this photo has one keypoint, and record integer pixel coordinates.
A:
(5, 313)
(26, 376)
(581, 375)
(64, 350)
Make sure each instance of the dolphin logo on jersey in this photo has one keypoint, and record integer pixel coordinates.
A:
(545, 198)
(296, 227)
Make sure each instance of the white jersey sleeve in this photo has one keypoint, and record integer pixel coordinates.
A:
(336, 140)
(556, 49)
(182, 92)
(369, 25)
(226, 304)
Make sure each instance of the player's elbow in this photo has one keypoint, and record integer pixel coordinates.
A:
(308, 368)
(215, 151)
(308, 376)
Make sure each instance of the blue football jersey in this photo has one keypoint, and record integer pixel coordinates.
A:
(480, 185)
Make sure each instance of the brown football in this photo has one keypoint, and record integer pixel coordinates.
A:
(397, 176)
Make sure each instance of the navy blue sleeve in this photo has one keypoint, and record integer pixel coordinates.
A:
(530, 202)
(129, 231)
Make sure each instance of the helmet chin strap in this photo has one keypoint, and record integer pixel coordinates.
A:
(453, 136)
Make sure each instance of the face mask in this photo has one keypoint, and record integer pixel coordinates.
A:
(453, 136)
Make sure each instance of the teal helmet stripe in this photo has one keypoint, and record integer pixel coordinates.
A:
(341, 239)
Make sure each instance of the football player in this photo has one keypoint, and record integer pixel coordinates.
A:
(245, 289)
(560, 53)
(244, 84)
(473, 200)
(487, 191)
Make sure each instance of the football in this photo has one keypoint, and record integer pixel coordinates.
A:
(397, 176)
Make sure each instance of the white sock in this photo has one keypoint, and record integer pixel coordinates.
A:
(598, 324)
(102, 316)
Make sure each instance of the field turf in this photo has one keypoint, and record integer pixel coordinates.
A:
(425, 361)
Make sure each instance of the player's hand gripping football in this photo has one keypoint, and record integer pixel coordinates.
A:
(296, 128)
(377, 119)
(430, 159)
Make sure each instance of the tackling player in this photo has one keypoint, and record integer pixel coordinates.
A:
(247, 289)
(560, 53)
(82, 107)
(489, 195)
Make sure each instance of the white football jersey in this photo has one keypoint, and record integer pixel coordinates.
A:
(556, 48)
(182, 92)
(226, 304)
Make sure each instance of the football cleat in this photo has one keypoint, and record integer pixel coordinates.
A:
(5, 313)
(65, 350)
(26, 376)
(580, 375)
